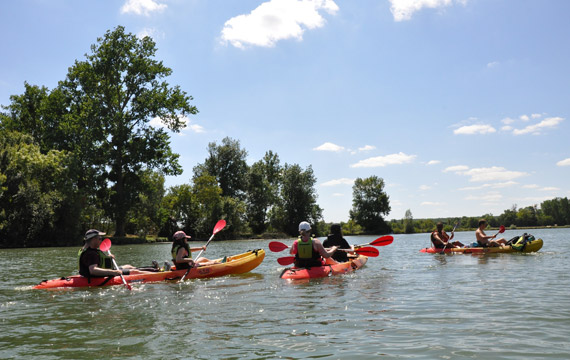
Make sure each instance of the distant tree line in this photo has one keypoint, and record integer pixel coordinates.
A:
(555, 212)
(84, 155)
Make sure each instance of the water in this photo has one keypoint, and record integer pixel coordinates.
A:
(401, 305)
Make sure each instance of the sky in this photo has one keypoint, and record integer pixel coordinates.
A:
(460, 106)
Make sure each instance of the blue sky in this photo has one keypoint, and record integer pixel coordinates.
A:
(461, 106)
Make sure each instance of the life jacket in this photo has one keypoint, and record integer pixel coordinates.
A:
(306, 256)
(519, 243)
(175, 251)
(105, 261)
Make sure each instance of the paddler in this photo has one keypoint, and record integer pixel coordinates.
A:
(308, 251)
(441, 240)
(335, 238)
(182, 252)
(487, 241)
(95, 263)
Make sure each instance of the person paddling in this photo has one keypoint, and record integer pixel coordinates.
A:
(95, 263)
(487, 241)
(441, 240)
(335, 239)
(182, 252)
(308, 251)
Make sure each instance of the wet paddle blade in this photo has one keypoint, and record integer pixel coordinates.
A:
(367, 251)
(382, 241)
(277, 246)
(105, 245)
(219, 226)
(287, 260)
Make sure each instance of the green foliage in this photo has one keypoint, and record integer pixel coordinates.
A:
(262, 187)
(369, 204)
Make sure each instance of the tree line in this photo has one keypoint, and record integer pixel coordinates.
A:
(554, 212)
(84, 155)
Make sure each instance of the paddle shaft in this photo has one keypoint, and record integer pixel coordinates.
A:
(219, 226)
(117, 268)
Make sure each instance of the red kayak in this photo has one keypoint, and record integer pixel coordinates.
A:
(294, 273)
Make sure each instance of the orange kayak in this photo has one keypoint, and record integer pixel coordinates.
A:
(236, 264)
(294, 273)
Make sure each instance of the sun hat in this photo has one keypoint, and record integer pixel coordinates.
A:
(92, 233)
(304, 226)
(180, 235)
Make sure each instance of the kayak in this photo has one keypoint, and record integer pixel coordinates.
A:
(531, 246)
(236, 264)
(295, 273)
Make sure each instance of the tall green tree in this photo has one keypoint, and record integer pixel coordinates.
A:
(227, 163)
(262, 187)
(408, 222)
(369, 204)
(113, 95)
(297, 199)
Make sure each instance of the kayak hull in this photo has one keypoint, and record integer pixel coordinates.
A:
(294, 273)
(236, 264)
(531, 246)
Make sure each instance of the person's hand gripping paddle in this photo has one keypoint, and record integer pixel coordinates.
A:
(106, 247)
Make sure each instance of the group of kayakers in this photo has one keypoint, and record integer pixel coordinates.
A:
(441, 240)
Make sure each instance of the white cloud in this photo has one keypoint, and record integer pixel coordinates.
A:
(381, 161)
(492, 196)
(536, 116)
(565, 162)
(507, 121)
(492, 64)
(142, 7)
(549, 188)
(337, 194)
(433, 162)
(474, 129)
(456, 168)
(424, 187)
(157, 122)
(431, 203)
(276, 20)
(524, 118)
(403, 9)
(492, 186)
(530, 186)
(367, 148)
(329, 147)
(150, 32)
(506, 128)
(341, 181)
(494, 173)
(536, 128)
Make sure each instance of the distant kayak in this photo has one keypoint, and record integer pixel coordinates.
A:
(294, 273)
(531, 246)
(236, 264)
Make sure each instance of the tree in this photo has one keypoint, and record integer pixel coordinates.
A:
(369, 203)
(408, 222)
(227, 163)
(262, 187)
(113, 95)
(297, 200)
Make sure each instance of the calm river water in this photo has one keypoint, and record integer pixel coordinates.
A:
(401, 305)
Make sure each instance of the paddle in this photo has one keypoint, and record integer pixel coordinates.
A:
(106, 247)
(501, 230)
(366, 251)
(219, 226)
(381, 241)
(277, 246)
(456, 225)
(287, 260)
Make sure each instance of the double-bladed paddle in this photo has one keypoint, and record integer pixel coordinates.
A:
(501, 230)
(106, 247)
(219, 226)
(381, 241)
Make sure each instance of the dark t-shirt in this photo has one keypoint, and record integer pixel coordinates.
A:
(88, 258)
(337, 240)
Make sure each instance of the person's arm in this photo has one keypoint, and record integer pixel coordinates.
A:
(181, 256)
(437, 239)
(194, 249)
(95, 270)
(293, 250)
(321, 249)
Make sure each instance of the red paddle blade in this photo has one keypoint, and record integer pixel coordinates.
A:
(277, 246)
(219, 226)
(367, 251)
(501, 229)
(287, 260)
(383, 241)
(105, 245)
